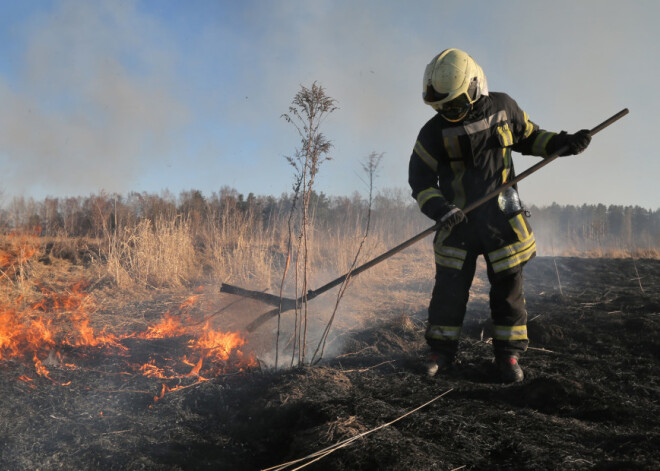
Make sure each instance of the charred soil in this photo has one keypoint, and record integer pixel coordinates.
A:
(589, 399)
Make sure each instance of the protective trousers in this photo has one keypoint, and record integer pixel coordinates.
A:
(505, 251)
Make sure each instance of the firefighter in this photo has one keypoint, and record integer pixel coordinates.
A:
(461, 154)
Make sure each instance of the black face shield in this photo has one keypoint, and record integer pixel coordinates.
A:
(457, 109)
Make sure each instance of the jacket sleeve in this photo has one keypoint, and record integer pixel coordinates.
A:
(423, 180)
(528, 137)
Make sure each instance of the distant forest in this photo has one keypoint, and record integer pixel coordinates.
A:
(394, 216)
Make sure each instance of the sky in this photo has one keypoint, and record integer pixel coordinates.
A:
(146, 96)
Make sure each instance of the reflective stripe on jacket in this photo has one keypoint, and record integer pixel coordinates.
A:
(457, 163)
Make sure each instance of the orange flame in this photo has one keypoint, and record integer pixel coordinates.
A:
(150, 370)
(21, 248)
(36, 332)
(196, 368)
(41, 369)
(216, 346)
(169, 326)
(63, 319)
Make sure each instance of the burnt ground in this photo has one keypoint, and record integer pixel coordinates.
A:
(589, 399)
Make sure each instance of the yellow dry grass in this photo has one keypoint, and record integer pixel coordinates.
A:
(18, 254)
(153, 255)
(174, 256)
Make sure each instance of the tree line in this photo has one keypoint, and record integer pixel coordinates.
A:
(560, 227)
(596, 227)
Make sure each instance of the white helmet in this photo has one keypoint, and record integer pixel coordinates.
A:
(453, 82)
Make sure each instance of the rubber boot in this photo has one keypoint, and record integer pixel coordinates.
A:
(510, 370)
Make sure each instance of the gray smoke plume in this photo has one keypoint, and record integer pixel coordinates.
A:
(94, 99)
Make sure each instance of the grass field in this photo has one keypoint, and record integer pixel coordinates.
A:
(108, 345)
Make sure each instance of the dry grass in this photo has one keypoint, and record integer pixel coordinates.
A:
(173, 254)
(652, 253)
(18, 256)
(163, 263)
(241, 250)
(158, 255)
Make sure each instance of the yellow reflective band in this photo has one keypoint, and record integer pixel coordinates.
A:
(449, 257)
(519, 226)
(505, 132)
(448, 262)
(458, 167)
(504, 332)
(525, 239)
(506, 157)
(477, 126)
(451, 252)
(515, 260)
(424, 196)
(440, 238)
(529, 127)
(538, 148)
(453, 147)
(443, 332)
(425, 156)
(510, 250)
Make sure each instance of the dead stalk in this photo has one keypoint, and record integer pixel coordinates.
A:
(638, 278)
(287, 264)
(362, 370)
(540, 350)
(554, 259)
(312, 458)
(307, 112)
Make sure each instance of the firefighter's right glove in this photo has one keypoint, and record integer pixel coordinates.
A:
(451, 218)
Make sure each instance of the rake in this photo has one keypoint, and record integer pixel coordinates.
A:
(287, 304)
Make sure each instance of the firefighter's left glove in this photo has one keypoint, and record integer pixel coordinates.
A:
(575, 143)
(451, 218)
(579, 141)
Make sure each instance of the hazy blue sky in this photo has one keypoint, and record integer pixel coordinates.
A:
(149, 95)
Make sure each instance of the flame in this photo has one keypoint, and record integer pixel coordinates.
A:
(62, 319)
(41, 369)
(36, 332)
(20, 250)
(150, 370)
(188, 303)
(169, 326)
(162, 393)
(196, 368)
(220, 347)
(33, 330)
(216, 346)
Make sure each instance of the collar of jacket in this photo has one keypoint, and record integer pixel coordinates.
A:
(478, 110)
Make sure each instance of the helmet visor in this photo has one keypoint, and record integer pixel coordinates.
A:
(456, 109)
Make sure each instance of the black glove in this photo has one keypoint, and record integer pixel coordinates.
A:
(451, 218)
(579, 141)
(576, 143)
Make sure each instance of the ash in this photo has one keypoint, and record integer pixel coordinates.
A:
(589, 399)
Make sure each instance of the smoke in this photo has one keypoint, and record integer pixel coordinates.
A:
(106, 91)
(373, 74)
(95, 103)
(351, 314)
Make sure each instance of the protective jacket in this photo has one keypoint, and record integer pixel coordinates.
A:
(458, 163)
